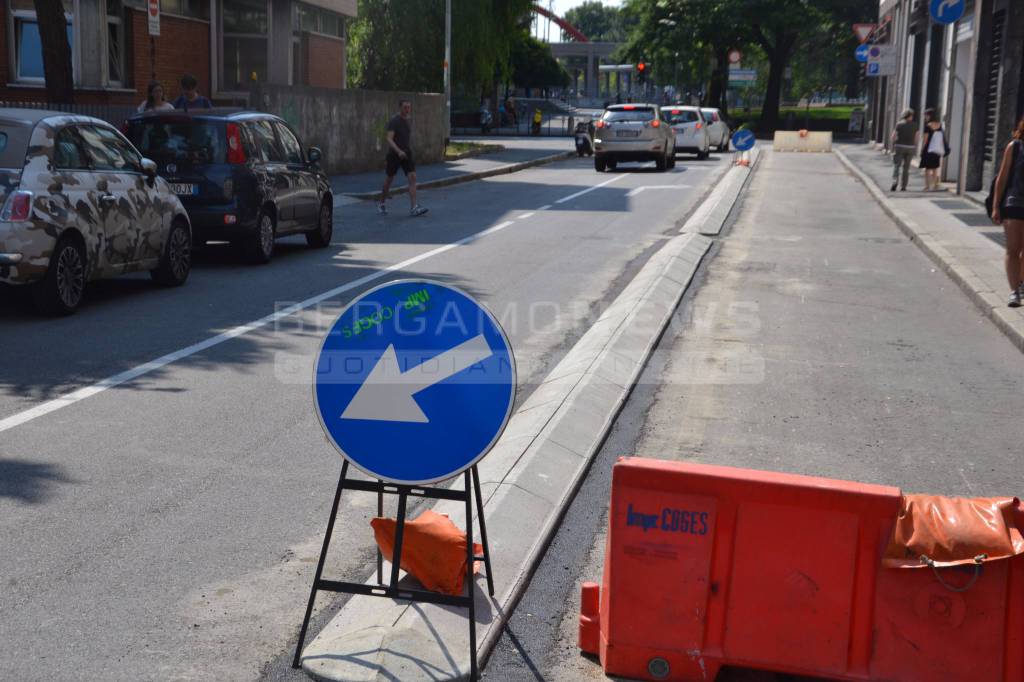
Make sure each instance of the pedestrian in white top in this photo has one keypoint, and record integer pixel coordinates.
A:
(935, 147)
(155, 99)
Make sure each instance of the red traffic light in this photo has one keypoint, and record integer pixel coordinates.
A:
(641, 66)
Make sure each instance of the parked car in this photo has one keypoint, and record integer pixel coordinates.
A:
(243, 177)
(633, 132)
(691, 130)
(718, 129)
(79, 204)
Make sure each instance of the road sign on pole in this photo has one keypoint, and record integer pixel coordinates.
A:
(414, 382)
(947, 11)
(881, 60)
(863, 31)
(153, 12)
(861, 53)
(742, 76)
(743, 140)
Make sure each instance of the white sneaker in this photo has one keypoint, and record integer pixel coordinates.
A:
(382, 209)
(417, 210)
(1015, 297)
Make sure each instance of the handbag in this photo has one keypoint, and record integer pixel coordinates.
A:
(1009, 180)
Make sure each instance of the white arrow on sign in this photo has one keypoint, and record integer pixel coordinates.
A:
(387, 393)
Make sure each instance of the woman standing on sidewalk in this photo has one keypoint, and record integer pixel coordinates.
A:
(1008, 209)
(935, 147)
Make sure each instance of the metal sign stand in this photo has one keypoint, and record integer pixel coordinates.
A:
(391, 590)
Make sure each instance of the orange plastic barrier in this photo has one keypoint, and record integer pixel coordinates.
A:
(709, 566)
(433, 550)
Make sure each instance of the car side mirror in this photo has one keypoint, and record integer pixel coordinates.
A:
(314, 154)
(149, 170)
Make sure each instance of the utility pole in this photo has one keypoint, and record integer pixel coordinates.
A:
(448, 69)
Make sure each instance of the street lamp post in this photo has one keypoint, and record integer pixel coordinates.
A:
(448, 68)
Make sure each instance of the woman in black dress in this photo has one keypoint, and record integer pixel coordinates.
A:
(935, 147)
(1008, 209)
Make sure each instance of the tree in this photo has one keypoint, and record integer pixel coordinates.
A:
(701, 29)
(599, 22)
(533, 66)
(399, 44)
(53, 35)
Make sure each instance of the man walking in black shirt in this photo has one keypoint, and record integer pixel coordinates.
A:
(399, 135)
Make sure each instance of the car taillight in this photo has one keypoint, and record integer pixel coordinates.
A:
(18, 208)
(655, 123)
(699, 126)
(601, 124)
(236, 152)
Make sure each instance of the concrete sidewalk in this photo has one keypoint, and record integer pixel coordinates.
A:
(518, 152)
(954, 232)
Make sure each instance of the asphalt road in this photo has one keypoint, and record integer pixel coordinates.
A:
(167, 526)
(818, 340)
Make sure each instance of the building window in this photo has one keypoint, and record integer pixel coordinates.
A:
(115, 43)
(195, 9)
(244, 45)
(317, 20)
(28, 47)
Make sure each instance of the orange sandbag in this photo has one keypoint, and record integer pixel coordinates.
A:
(950, 531)
(433, 550)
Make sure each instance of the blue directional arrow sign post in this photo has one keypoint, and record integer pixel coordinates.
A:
(743, 140)
(861, 53)
(414, 382)
(947, 11)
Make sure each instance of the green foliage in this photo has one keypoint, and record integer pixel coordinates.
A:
(533, 66)
(399, 44)
(692, 37)
(597, 21)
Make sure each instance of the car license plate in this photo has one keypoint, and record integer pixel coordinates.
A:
(627, 133)
(185, 188)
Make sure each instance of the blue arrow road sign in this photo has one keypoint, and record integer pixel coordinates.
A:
(414, 382)
(743, 140)
(947, 11)
(861, 53)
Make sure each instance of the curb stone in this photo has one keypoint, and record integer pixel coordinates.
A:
(467, 177)
(527, 482)
(982, 296)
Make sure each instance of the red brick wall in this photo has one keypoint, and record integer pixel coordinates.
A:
(324, 62)
(183, 46)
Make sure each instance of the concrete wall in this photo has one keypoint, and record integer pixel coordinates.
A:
(349, 125)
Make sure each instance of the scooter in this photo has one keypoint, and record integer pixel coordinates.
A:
(584, 138)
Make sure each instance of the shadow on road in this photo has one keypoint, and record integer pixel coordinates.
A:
(29, 482)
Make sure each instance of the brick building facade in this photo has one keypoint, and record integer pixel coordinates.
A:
(225, 44)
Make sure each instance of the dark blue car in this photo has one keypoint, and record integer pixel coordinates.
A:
(243, 177)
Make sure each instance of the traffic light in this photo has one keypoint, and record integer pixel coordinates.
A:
(641, 70)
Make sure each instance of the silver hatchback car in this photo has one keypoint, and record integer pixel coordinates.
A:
(80, 203)
(633, 132)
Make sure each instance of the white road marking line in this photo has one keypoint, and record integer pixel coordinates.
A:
(634, 192)
(544, 207)
(134, 373)
(590, 189)
(527, 215)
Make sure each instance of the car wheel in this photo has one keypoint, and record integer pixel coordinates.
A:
(661, 163)
(612, 165)
(321, 237)
(60, 291)
(176, 263)
(599, 164)
(672, 160)
(260, 248)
